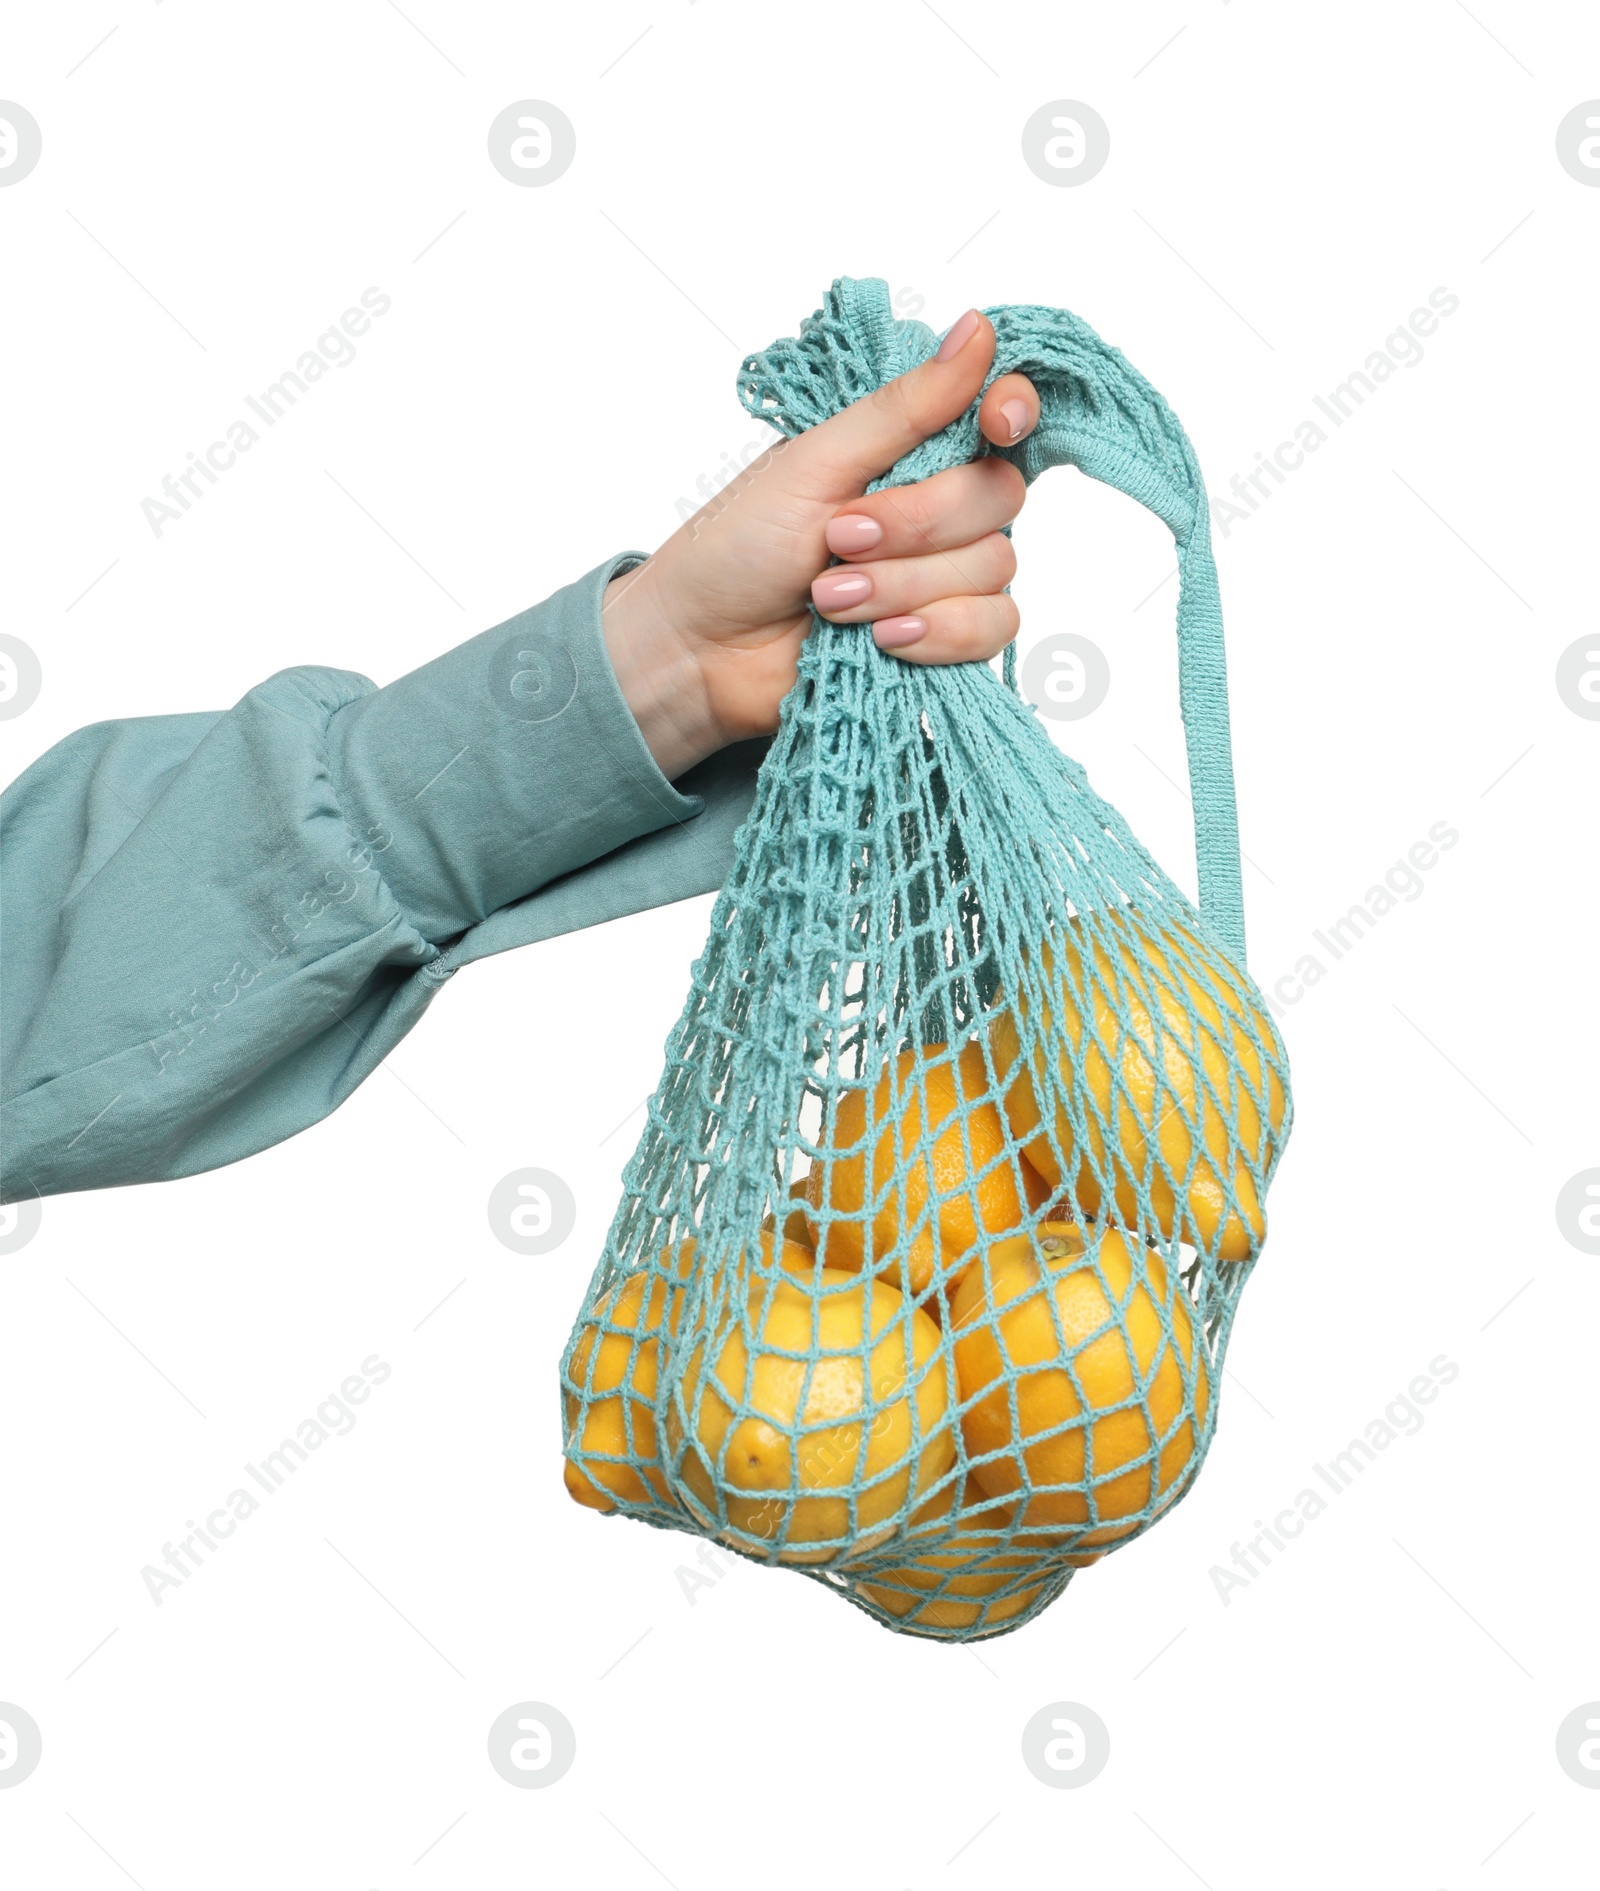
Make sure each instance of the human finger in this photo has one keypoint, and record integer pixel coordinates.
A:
(859, 593)
(1010, 410)
(852, 448)
(951, 508)
(951, 630)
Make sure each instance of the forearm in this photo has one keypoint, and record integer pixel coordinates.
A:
(658, 673)
(507, 762)
(216, 926)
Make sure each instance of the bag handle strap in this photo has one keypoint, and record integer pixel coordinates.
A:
(1202, 658)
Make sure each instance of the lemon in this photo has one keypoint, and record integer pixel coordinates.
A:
(1107, 1408)
(960, 1584)
(614, 1453)
(783, 1440)
(960, 1187)
(1202, 1059)
(797, 1229)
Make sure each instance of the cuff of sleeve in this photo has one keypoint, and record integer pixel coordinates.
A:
(503, 764)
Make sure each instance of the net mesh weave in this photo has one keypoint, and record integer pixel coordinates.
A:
(927, 1257)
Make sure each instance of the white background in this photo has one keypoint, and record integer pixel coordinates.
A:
(1285, 185)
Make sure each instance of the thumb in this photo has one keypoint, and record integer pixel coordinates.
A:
(843, 455)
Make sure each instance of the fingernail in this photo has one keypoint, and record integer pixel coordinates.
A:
(1017, 415)
(840, 590)
(961, 332)
(894, 633)
(853, 532)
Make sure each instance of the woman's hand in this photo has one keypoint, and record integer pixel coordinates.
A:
(704, 638)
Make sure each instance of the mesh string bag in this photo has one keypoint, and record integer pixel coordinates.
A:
(928, 1255)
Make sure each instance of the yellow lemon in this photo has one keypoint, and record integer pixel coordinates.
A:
(956, 1585)
(615, 1363)
(783, 1440)
(1155, 982)
(796, 1223)
(959, 1584)
(958, 1187)
(1108, 1411)
(794, 1257)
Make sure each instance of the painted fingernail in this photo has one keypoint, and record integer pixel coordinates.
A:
(894, 633)
(961, 332)
(1017, 415)
(840, 590)
(853, 532)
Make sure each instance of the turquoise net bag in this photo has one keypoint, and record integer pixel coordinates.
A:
(926, 1261)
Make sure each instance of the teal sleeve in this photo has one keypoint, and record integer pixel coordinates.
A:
(213, 927)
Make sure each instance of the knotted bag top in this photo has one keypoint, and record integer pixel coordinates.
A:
(1098, 413)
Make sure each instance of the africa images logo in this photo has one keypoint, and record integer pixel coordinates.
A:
(1402, 347)
(335, 348)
